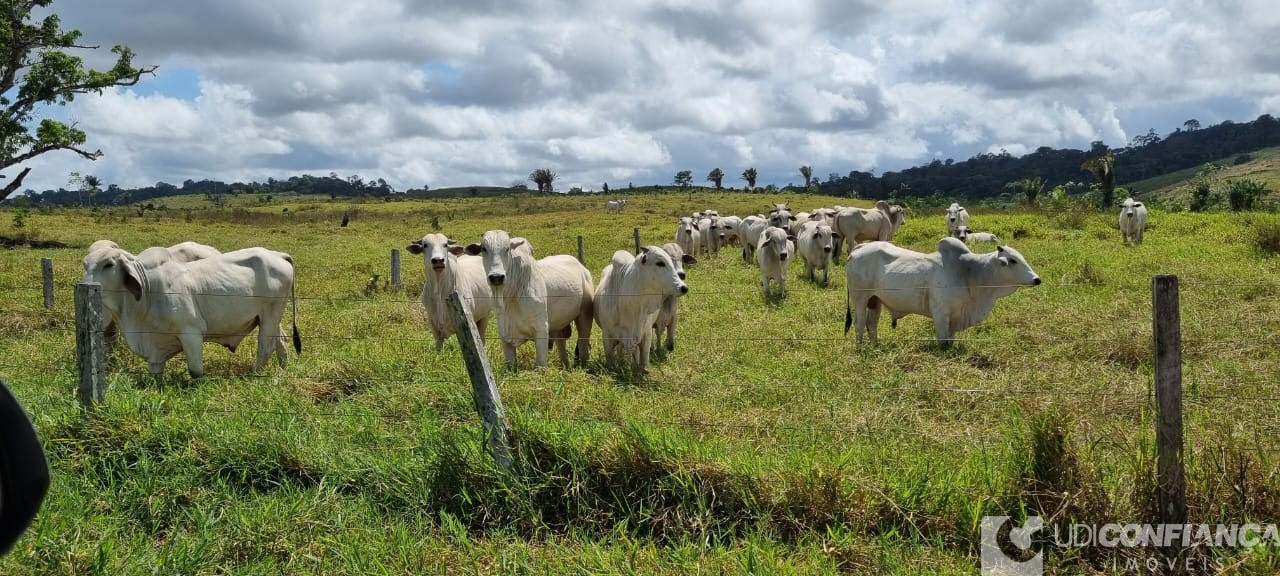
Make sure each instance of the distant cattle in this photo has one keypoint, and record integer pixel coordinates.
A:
(855, 225)
(954, 286)
(977, 237)
(538, 300)
(165, 306)
(815, 246)
(1133, 221)
(688, 236)
(957, 219)
(615, 205)
(449, 269)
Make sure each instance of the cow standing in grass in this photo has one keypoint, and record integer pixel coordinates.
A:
(628, 300)
(449, 269)
(1133, 221)
(668, 314)
(953, 286)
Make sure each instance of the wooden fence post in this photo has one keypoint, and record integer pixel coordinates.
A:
(1167, 334)
(636, 233)
(484, 389)
(580, 260)
(46, 270)
(395, 269)
(90, 352)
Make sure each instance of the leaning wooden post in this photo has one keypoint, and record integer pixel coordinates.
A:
(484, 389)
(90, 352)
(580, 260)
(395, 269)
(46, 270)
(636, 233)
(1167, 333)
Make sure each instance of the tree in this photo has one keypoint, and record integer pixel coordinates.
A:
(684, 178)
(37, 70)
(716, 176)
(807, 172)
(750, 176)
(543, 177)
(1030, 188)
(606, 188)
(1243, 194)
(1103, 168)
(1191, 125)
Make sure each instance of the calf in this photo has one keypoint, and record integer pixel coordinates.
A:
(1133, 221)
(953, 286)
(667, 315)
(976, 237)
(449, 269)
(815, 246)
(773, 253)
(628, 301)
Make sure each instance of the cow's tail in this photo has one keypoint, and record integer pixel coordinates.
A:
(297, 338)
(848, 313)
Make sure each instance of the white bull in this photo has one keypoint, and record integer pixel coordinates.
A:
(1133, 221)
(165, 306)
(953, 286)
(669, 313)
(628, 300)
(957, 221)
(773, 252)
(815, 246)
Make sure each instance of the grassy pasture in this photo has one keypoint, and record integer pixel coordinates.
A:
(767, 442)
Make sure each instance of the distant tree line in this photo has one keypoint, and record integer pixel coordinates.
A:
(332, 185)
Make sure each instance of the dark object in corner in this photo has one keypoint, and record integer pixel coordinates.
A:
(24, 472)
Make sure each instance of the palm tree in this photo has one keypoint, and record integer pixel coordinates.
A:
(807, 172)
(716, 176)
(1030, 188)
(750, 176)
(1103, 168)
(543, 177)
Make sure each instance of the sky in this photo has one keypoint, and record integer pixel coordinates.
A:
(480, 92)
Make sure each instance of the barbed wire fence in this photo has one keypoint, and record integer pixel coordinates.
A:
(1166, 394)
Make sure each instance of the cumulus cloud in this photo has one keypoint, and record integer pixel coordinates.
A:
(451, 93)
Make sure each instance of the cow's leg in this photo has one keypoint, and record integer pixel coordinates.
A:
(509, 352)
(644, 351)
(582, 352)
(873, 321)
(942, 327)
(562, 351)
(282, 347)
(764, 281)
(671, 331)
(541, 340)
(859, 318)
(156, 368)
(193, 346)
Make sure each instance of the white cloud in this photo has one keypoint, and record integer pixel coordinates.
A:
(446, 93)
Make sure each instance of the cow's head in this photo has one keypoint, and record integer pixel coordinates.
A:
(1127, 207)
(678, 258)
(1012, 269)
(118, 272)
(822, 236)
(775, 239)
(495, 248)
(435, 250)
(962, 232)
(781, 217)
(659, 273)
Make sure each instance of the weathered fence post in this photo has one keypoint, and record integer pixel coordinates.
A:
(580, 260)
(46, 270)
(90, 352)
(395, 269)
(636, 233)
(1167, 333)
(484, 389)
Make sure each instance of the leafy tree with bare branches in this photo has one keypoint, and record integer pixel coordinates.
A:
(750, 176)
(38, 69)
(807, 172)
(1030, 188)
(543, 177)
(1103, 168)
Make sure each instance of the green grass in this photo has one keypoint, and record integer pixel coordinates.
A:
(766, 443)
(1264, 167)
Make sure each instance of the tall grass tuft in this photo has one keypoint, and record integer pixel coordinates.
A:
(1265, 236)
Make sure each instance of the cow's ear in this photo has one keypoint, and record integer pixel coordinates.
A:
(473, 249)
(1003, 261)
(515, 242)
(689, 259)
(1000, 249)
(457, 250)
(414, 247)
(791, 238)
(132, 281)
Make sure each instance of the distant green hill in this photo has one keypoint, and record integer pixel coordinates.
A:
(1261, 165)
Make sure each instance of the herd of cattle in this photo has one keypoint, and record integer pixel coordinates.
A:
(170, 300)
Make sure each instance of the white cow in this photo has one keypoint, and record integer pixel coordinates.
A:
(780, 217)
(953, 286)
(855, 225)
(538, 300)
(615, 205)
(180, 252)
(729, 231)
(165, 306)
(976, 237)
(1133, 221)
(688, 236)
(628, 300)
(800, 219)
(815, 245)
(751, 229)
(667, 315)
(449, 269)
(709, 226)
(773, 252)
(957, 219)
